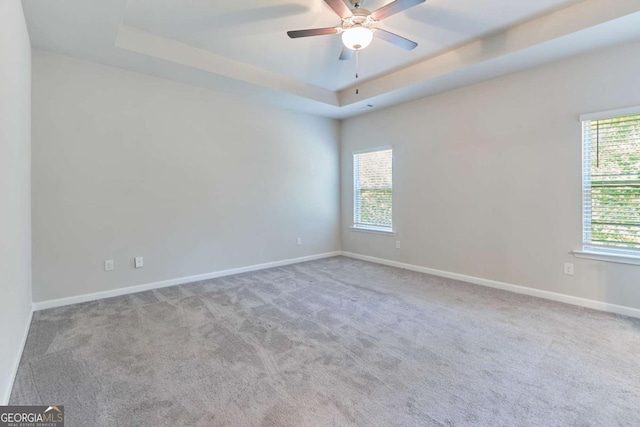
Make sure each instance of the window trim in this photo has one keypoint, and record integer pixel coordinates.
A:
(591, 251)
(602, 254)
(372, 228)
(611, 114)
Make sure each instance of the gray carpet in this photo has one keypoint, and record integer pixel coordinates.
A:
(332, 342)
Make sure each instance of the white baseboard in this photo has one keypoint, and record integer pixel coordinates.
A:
(16, 364)
(568, 299)
(43, 305)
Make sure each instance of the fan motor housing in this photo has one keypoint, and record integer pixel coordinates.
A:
(360, 17)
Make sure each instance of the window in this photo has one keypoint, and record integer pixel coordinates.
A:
(611, 183)
(373, 190)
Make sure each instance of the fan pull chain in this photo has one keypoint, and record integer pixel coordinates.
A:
(357, 76)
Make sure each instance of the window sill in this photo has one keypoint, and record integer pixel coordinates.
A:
(373, 230)
(608, 256)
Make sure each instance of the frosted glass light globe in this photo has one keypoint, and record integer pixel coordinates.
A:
(357, 37)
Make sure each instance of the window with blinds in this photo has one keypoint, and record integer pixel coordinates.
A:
(373, 190)
(611, 184)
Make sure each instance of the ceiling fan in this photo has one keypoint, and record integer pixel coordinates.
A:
(359, 26)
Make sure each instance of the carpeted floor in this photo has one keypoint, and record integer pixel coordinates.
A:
(332, 342)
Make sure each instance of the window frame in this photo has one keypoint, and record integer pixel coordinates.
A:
(589, 250)
(370, 228)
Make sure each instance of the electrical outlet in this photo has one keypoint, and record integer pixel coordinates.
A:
(109, 265)
(397, 244)
(139, 262)
(568, 269)
(299, 241)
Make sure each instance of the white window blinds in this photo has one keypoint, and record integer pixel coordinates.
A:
(373, 190)
(611, 183)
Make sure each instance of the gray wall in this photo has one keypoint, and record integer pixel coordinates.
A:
(487, 178)
(128, 165)
(15, 193)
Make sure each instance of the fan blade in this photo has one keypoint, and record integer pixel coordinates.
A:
(314, 32)
(394, 7)
(395, 39)
(346, 54)
(339, 7)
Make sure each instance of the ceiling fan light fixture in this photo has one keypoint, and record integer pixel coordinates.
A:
(357, 37)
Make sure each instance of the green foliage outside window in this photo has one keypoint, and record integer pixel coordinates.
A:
(615, 182)
(373, 188)
(375, 207)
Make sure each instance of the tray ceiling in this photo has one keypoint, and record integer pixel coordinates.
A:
(241, 46)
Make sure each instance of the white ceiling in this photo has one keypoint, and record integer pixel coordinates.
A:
(254, 32)
(241, 46)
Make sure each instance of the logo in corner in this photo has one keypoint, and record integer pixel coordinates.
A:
(32, 416)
